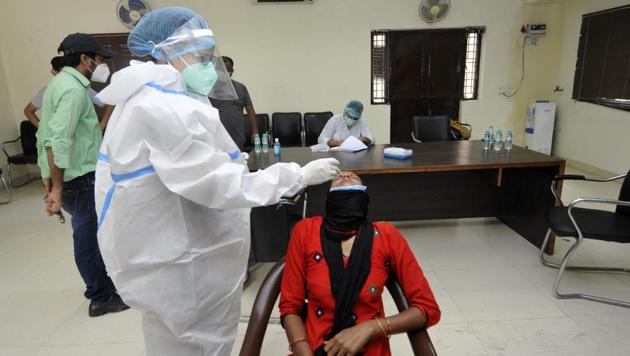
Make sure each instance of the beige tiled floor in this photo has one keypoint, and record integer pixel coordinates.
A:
(495, 296)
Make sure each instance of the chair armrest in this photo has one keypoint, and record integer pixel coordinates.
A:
(569, 177)
(560, 177)
(589, 179)
(579, 201)
(420, 341)
(291, 200)
(261, 311)
(5, 143)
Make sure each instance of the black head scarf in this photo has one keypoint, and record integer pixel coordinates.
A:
(346, 216)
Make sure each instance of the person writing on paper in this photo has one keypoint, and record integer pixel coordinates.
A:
(173, 192)
(340, 264)
(342, 126)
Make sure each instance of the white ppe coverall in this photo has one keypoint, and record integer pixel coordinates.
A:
(173, 197)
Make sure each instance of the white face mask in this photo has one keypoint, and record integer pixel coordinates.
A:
(100, 73)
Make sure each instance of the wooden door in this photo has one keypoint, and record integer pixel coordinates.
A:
(426, 76)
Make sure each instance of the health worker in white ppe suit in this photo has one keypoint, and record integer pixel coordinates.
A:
(173, 193)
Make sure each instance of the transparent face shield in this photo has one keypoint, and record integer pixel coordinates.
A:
(193, 51)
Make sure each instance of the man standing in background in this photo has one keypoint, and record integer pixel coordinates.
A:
(32, 108)
(231, 112)
(68, 140)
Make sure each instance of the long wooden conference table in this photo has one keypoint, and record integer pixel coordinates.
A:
(454, 179)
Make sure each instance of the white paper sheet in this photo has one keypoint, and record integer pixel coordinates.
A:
(352, 144)
(320, 147)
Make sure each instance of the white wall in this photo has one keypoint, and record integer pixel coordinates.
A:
(8, 128)
(292, 57)
(316, 57)
(591, 134)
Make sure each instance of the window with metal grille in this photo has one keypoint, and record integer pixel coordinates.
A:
(380, 68)
(471, 73)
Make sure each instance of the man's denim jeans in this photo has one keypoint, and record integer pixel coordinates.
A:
(78, 201)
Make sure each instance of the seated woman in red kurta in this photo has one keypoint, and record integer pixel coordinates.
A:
(340, 264)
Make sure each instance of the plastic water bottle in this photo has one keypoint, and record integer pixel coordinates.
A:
(486, 140)
(498, 140)
(508, 140)
(265, 143)
(276, 148)
(257, 143)
(491, 131)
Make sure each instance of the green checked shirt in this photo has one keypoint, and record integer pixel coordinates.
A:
(68, 126)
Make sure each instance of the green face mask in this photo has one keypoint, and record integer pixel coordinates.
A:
(200, 78)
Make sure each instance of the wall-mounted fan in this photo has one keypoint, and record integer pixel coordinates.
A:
(434, 10)
(130, 11)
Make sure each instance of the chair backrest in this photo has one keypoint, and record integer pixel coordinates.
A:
(314, 123)
(262, 120)
(287, 127)
(27, 138)
(430, 128)
(624, 194)
(266, 298)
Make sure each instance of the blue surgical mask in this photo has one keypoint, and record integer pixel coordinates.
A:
(349, 187)
(200, 78)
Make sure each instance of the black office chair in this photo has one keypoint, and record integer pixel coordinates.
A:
(29, 150)
(8, 190)
(430, 128)
(314, 123)
(262, 120)
(583, 223)
(287, 127)
(268, 294)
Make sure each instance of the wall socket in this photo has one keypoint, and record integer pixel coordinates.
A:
(505, 90)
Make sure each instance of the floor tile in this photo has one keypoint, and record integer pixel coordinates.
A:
(29, 318)
(118, 349)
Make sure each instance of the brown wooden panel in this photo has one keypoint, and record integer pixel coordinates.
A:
(579, 65)
(427, 157)
(446, 60)
(594, 56)
(408, 70)
(456, 179)
(617, 66)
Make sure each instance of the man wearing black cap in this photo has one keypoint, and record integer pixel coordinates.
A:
(68, 141)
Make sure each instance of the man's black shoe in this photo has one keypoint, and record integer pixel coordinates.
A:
(112, 305)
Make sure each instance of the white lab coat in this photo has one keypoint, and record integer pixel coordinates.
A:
(175, 239)
(337, 129)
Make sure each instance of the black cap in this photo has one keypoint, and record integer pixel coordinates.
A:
(83, 43)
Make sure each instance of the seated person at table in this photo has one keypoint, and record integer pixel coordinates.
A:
(340, 263)
(342, 126)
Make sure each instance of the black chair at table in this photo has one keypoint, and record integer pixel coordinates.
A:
(314, 123)
(430, 128)
(287, 127)
(268, 294)
(583, 223)
(262, 120)
(28, 142)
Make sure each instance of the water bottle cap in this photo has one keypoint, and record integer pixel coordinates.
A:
(277, 140)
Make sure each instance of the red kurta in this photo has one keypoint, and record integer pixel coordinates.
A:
(306, 276)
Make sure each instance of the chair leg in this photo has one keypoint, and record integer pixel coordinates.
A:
(9, 174)
(9, 192)
(29, 179)
(304, 206)
(548, 263)
(563, 267)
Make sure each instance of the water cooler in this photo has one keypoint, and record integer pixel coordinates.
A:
(541, 117)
